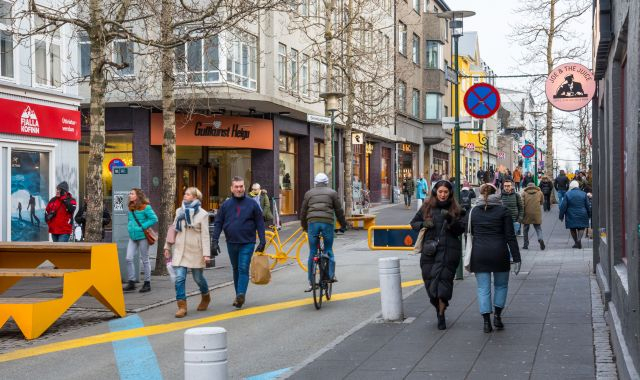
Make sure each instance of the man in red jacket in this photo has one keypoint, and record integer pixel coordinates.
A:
(59, 212)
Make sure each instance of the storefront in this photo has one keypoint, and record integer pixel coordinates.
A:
(440, 162)
(408, 160)
(38, 150)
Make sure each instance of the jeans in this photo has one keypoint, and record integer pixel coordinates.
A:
(526, 233)
(516, 228)
(181, 277)
(133, 247)
(517, 185)
(60, 238)
(240, 256)
(547, 202)
(407, 199)
(561, 194)
(500, 288)
(315, 229)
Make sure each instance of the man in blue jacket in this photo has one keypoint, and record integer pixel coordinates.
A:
(240, 218)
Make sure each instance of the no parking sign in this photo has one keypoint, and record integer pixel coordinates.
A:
(482, 100)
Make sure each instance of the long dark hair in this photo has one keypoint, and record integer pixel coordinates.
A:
(454, 208)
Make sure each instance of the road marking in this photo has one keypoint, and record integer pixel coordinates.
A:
(269, 375)
(135, 357)
(177, 326)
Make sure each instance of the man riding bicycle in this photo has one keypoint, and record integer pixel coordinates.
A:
(317, 218)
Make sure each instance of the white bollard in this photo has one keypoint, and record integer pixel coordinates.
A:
(205, 354)
(390, 289)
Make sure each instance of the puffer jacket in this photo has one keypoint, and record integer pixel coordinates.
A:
(562, 183)
(532, 201)
(146, 217)
(575, 209)
(513, 202)
(60, 210)
(546, 187)
(319, 205)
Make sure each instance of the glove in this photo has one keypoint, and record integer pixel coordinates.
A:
(447, 216)
(260, 247)
(215, 248)
(428, 223)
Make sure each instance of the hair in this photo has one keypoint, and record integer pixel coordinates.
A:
(141, 200)
(507, 181)
(195, 192)
(485, 191)
(454, 209)
(237, 179)
(255, 184)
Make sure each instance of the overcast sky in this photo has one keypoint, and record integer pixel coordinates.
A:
(493, 22)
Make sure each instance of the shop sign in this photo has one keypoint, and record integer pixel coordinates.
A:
(357, 138)
(570, 87)
(216, 131)
(407, 148)
(471, 146)
(20, 118)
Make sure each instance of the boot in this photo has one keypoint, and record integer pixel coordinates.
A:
(131, 286)
(146, 287)
(204, 303)
(542, 246)
(239, 301)
(497, 320)
(487, 322)
(182, 309)
(442, 323)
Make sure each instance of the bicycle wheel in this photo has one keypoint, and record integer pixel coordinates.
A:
(271, 249)
(302, 253)
(317, 286)
(326, 281)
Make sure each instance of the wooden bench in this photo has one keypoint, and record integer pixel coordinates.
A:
(361, 221)
(83, 267)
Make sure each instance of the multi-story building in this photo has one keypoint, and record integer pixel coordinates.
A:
(39, 121)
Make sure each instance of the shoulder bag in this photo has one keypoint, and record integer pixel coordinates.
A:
(429, 247)
(149, 233)
(469, 245)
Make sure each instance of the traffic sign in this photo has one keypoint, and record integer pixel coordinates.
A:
(482, 100)
(471, 146)
(116, 162)
(528, 151)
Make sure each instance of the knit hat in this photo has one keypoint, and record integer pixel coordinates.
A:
(321, 178)
(531, 184)
(63, 186)
(574, 185)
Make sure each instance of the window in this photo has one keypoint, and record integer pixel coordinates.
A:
(294, 69)
(315, 78)
(84, 53)
(323, 77)
(6, 40)
(402, 38)
(446, 111)
(281, 73)
(415, 103)
(426, 6)
(433, 106)
(304, 73)
(198, 61)
(29, 180)
(416, 6)
(318, 157)
(416, 49)
(242, 62)
(313, 7)
(287, 174)
(387, 56)
(123, 54)
(47, 57)
(434, 55)
(402, 96)
(304, 9)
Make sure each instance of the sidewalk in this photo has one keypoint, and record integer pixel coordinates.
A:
(548, 328)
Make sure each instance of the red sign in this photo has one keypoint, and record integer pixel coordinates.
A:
(471, 146)
(28, 119)
(482, 100)
(570, 87)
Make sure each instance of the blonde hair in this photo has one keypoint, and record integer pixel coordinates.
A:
(486, 190)
(195, 192)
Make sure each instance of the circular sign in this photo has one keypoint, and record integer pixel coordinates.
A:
(528, 151)
(482, 100)
(116, 162)
(570, 87)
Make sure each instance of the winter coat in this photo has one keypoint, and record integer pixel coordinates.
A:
(517, 176)
(146, 217)
(532, 200)
(546, 187)
(408, 187)
(527, 180)
(240, 219)
(81, 218)
(562, 183)
(319, 205)
(493, 237)
(513, 202)
(438, 271)
(421, 189)
(466, 196)
(265, 207)
(575, 209)
(59, 212)
(192, 243)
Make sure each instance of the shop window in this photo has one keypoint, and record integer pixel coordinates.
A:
(29, 195)
(222, 165)
(318, 157)
(287, 174)
(358, 152)
(385, 173)
(6, 40)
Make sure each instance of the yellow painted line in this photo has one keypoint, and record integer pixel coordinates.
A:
(177, 326)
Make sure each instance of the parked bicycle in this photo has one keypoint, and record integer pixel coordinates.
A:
(322, 284)
(278, 252)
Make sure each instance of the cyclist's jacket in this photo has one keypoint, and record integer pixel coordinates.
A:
(319, 205)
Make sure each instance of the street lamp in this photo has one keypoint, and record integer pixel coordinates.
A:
(332, 104)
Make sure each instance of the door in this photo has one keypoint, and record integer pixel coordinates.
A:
(187, 176)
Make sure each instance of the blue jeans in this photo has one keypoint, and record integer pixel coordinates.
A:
(500, 288)
(561, 194)
(516, 228)
(60, 238)
(181, 277)
(240, 256)
(315, 229)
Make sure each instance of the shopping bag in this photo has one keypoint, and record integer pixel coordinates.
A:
(260, 273)
(417, 248)
(469, 246)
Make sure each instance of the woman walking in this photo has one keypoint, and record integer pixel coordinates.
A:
(191, 249)
(576, 209)
(493, 240)
(141, 217)
(441, 248)
(547, 188)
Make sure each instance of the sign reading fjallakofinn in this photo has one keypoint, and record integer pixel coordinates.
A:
(221, 131)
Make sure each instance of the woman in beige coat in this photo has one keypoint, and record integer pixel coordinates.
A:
(191, 248)
(532, 199)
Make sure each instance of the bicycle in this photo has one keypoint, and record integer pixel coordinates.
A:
(322, 284)
(275, 248)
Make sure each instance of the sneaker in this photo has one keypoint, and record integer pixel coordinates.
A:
(542, 246)
(525, 247)
(239, 301)
(131, 286)
(334, 279)
(309, 289)
(146, 287)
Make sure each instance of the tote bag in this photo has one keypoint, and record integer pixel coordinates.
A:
(469, 246)
(260, 272)
(417, 248)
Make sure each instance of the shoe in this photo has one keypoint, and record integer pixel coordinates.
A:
(334, 279)
(575, 245)
(146, 287)
(525, 246)
(309, 289)
(131, 286)
(182, 309)
(487, 322)
(204, 302)
(239, 301)
(542, 246)
(579, 245)
(497, 319)
(442, 323)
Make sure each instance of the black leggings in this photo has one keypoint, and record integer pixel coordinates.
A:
(576, 234)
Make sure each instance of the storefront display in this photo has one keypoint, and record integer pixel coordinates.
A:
(287, 175)
(408, 158)
(385, 174)
(29, 195)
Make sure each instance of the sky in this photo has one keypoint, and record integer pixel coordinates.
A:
(493, 22)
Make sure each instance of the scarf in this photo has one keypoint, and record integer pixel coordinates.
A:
(255, 193)
(186, 213)
(492, 200)
(443, 204)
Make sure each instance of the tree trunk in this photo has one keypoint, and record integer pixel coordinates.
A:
(548, 164)
(328, 35)
(348, 151)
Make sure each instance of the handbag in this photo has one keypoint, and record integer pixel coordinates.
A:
(171, 234)
(417, 248)
(429, 247)
(149, 233)
(469, 246)
(260, 272)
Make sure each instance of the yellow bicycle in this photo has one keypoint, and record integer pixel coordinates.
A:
(278, 253)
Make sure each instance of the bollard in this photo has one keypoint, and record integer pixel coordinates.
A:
(390, 289)
(205, 354)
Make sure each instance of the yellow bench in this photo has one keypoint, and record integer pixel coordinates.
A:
(83, 267)
(361, 221)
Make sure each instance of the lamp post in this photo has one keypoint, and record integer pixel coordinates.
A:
(331, 105)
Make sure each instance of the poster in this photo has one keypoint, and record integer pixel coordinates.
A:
(29, 195)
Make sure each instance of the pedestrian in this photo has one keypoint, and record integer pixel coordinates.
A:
(81, 218)
(508, 175)
(480, 176)
(141, 217)
(260, 196)
(528, 178)
(513, 202)
(467, 194)
(435, 177)
(575, 210)
(532, 199)
(421, 190)
(240, 218)
(561, 185)
(441, 248)
(59, 213)
(494, 242)
(32, 210)
(320, 207)
(546, 186)
(408, 188)
(191, 249)
(517, 178)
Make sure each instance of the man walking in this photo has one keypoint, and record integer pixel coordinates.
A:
(408, 187)
(532, 213)
(512, 201)
(59, 212)
(240, 218)
(517, 177)
(561, 184)
(435, 177)
(421, 191)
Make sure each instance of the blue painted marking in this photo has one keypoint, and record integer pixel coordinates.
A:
(269, 375)
(393, 238)
(135, 357)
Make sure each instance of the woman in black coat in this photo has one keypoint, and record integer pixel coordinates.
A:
(547, 188)
(494, 240)
(442, 217)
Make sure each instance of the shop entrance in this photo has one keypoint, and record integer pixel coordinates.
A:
(187, 176)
